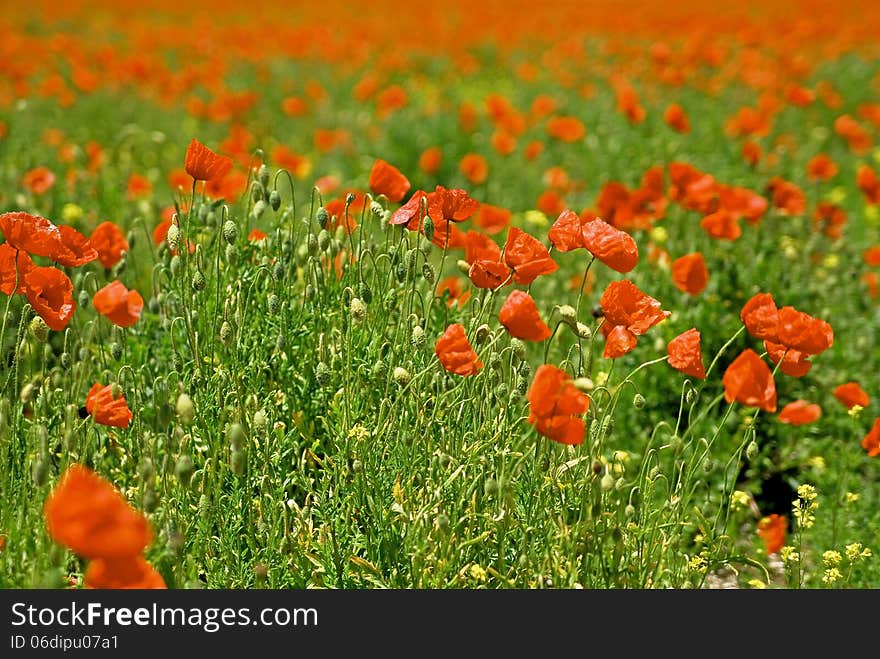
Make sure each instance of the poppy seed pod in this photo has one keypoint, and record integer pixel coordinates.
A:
(568, 315)
(401, 376)
(275, 200)
(185, 409)
(274, 303)
(230, 231)
(38, 329)
(173, 237)
(323, 240)
(321, 216)
(357, 309)
(184, 469)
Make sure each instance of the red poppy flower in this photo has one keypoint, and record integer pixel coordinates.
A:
(488, 274)
(90, 516)
(455, 352)
(869, 184)
(629, 313)
(871, 256)
(109, 243)
(829, 219)
(453, 204)
(474, 167)
(685, 354)
(50, 293)
(821, 168)
(749, 381)
(519, 315)
(31, 233)
(431, 159)
(527, 257)
(690, 274)
(255, 235)
(676, 118)
(788, 198)
(871, 441)
(492, 219)
(795, 363)
(556, 405)
(566, 129)
(203, 164)
(741, 202)
(772, 529)
(721, 225)
(39, 180)
(457, 295)
(107, 410)
(409, 212)
(802, 332)
(120, 305)
(852, 394)
(615, 248)
(761, 317)
(128, 572)
(8, 275)
(388, 180)
(566, 234)
(799, 413)
(479, 246)
(75, 249)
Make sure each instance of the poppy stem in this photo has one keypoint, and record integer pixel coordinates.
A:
(583, 283)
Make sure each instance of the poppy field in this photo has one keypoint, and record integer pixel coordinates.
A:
(476, 295)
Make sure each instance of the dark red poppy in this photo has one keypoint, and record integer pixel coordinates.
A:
(120, 305)
(690, 274)
(685, 354)
(615, 248)
(50, 293)
(556, 406)
(109, 242)
(799, 413)
(107, 410)
(455, 352)
(748, 381)
(386, 179)
(203, 164)
(527, 257)
(520, 317)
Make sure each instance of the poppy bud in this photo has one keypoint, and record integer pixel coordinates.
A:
(309, 292)
(198, 281)
(226, 333)
(146, 470)
(752, 450)
(357, 309)
(184, 469)
(119, 268)
(83, 299)
(274, 303)
(522, 385)
(639, 401)
(481, 334)
(65, 360)
(312, 244)
(39, 471)
(376, 209)
(27, 393)
(176, 264)
(401, 376)
(150, 500)
(263, 175)
(428, 273)
(463, 266)
(502, 391)
(607, 482)
(260, 419)
(322, 374)
(230, 231)
(365, 292)
(519, 348)
(275, 200)
(583, 331)
(115, 351)
(418, 337)
(235, 435)
(630, 510)
(258, 209)
(38, 329)
(323, 240)
(231, 255)
(257, 191)
(238, 462)
(278, 271)
(525, 370)
(442, 523)
(185, 409)
(173, 237)
(428, 227)
(568, 315)
(583, 384)
(321, 216)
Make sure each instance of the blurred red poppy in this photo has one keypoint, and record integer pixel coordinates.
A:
(120, 305)
(107, 410)
(772, 530)
(799, 413)
(39, 180)
(90, 516)
(690, 274)
(492, 219)
(474, 167)
(556, 406)
(821, 168)
(455, 352)
(386, 179)
(109, 242)
(128, 572)
(676, 119)
(685, 354)
(871, 441)
(203, 164)
(721, 225)
(852, 394)
(866, 179)
(50, 293)
(748, 381)
(520, 317)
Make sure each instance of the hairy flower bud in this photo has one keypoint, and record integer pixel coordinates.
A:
(230, 231)
(358, 310)
(275, 200)
(401, 376)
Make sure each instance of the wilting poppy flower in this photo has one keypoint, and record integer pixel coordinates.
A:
(386, 179)
(871, 441)
(615, 248)
(748, 380)
(869, 184)
(203, 164)
(799, 413)
(109, 242)
(795, 363)
(107, 410)
(31, 233)
(50, 293)
(474, 167)
(685, 354)
(676, 119)
(556, 406)
(128, 572)
(566, 232)
(455, 352)
(852, 394)
(520, 317)
(772, 529)
(527, 257)
(690, 274)
(721, 225)
(802, 332)
(39, 180)
(75, 249)
(566, 129)
(120, 305)
(629, 313)
(90, 516)
(8, 275)
(821, 168)
(492, 219)
(761, 317)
